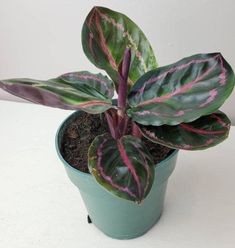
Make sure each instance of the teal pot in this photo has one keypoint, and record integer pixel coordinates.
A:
(118, 218)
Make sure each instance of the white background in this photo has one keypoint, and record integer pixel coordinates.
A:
(42, 39)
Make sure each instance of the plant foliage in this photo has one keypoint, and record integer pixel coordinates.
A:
(176, 105)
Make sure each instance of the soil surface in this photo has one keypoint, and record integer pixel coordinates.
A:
(80, 133)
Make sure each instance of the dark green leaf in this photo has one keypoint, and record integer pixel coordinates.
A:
(182, 92)
(105, 36)
(203, 133)
(124, 167)
(77, 90)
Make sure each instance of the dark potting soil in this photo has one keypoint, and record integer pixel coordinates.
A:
(82, 131)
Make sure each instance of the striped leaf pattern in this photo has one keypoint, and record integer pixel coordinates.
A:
(105, 36)
(205, 132)
(76, 90)
(183, 91)
(122, 166)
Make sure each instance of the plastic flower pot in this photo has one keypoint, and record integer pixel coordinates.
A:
(118, 218)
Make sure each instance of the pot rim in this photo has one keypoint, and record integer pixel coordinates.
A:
(87, 174)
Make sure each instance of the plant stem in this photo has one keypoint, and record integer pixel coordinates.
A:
(122, 87)
(136, 131)
(111, 126)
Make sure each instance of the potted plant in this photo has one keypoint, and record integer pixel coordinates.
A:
(175, 106)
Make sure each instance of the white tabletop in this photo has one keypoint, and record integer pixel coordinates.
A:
(39, 207)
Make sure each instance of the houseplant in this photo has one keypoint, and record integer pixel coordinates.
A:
(175, 106)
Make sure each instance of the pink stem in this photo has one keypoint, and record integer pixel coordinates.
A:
(136, 131)
(118, 123)
(122, 87)
(111, 124)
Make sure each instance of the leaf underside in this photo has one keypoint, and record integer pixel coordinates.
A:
(76, 90)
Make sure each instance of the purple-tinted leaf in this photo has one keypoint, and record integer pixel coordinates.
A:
(77, 90)
(122, 166)
(205, 132)
(105, 36)
(183, 91)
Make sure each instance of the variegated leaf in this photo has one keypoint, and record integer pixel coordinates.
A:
(205, 132)
(183, 91)
(123, 166)
(76, 90)
(105, 36)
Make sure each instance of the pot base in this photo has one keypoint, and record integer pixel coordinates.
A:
(132, 235)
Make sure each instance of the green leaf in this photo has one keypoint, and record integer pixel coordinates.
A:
(183, 91)
(205, 132)
(105, 36)
(76, 90)
(123, 167)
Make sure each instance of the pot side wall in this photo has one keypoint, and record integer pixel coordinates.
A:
(114, 216)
